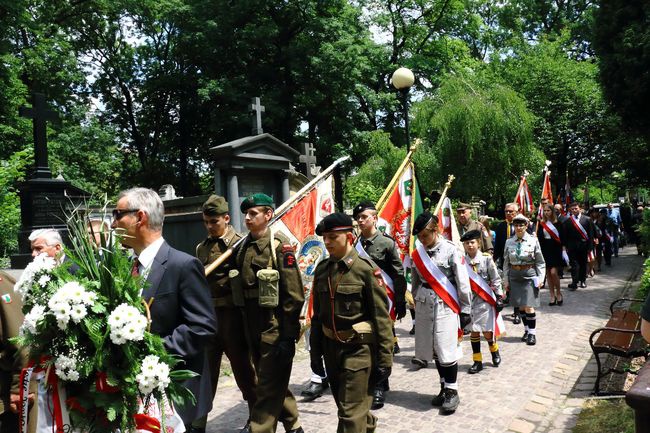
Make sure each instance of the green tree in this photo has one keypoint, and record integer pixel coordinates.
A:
(477, 128)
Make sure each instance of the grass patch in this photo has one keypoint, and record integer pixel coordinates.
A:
(605, 416)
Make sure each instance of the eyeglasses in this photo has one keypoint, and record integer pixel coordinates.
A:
(510, 211)
(119, 213)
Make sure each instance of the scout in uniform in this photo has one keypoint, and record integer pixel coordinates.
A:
(231, 338)
(524, 269)
(466, 223)
(382, 249)
(350, 325)
(484, 312)
(266, 283)
(436, 317)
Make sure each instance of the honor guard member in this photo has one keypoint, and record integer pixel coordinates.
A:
(484, 314)
(267, 285)
(382, 249)
(350, 325)
(466, 223)
(231, 338)
(436, 323)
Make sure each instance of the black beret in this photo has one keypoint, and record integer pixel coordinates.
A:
(258, 199)
(470, 235)
(364, 205)
(334, 222)
(215, 205)
(423, 220)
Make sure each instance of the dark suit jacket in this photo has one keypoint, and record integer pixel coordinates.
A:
(183, 315)
(500, 238)
(572, 238)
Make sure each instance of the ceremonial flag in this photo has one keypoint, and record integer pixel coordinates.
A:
(447, 223)
(547, 192)
(524, 198)
(397, 214)
(565, 198)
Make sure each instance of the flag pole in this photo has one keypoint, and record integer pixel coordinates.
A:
(382, 200)
(450, 179)
(279, 212)
(540, 212)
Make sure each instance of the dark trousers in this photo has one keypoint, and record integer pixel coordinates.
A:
(348, 367)
(232, 342)
(8, 422)
(578, 261)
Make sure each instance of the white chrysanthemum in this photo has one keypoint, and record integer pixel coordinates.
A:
(126, 323)
(42, 264)
(78, 312)
(43, 280)
(65, 368)
(153, 374)
(73, 292)
(36, 314)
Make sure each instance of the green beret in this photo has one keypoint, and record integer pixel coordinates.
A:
(463, 206)
(215, 205)
(258, 199)
(335, 222)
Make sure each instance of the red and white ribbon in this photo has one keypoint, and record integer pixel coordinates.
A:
(388, 282)
(434, 277)
(485, 292)
(579, 227)
(550, 228)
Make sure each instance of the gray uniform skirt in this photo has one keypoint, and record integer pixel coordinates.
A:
(522, 288)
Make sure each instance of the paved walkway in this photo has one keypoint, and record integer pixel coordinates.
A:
(536, 389)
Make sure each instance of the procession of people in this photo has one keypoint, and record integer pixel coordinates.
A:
(249, 307)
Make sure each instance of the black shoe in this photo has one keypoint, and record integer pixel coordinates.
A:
(525, 336)
(583, 284)
(314, 390)
(531, 340)
(378, 399)
(517, 319)
(412, 331)
(573, 286)
(196, 430)
(560, 302)
(451, 401)
(552, 304)
(420, 363)
(396, 349)
(496, 358)
(476, 367)
(439, 399)
(296, 430)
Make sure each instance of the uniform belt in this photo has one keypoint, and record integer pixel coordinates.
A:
(361, 333)
(521, 267)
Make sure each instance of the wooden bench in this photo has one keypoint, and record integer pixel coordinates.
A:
(617, 338)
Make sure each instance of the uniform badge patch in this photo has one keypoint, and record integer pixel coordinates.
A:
(380, 280)
(6, 298)
(289, 260)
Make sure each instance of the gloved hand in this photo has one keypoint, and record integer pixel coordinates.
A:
(286, 349)
(499, 304)
(382, 374)
(400, 310)
(465, 319)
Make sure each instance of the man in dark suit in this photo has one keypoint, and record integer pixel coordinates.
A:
(178, 294)
(578, 240)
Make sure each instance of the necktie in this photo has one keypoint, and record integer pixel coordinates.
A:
(509, 229)
(135, 269)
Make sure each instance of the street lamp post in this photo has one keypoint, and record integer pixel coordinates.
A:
(402, 80)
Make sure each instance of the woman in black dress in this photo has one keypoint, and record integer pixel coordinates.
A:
(549, 235)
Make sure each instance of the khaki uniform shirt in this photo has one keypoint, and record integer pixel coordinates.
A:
(11, 318)
(383, 251)
(359, 296)
(486, 237)
(282, 322)
(210, 250)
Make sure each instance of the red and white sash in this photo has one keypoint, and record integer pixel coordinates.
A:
(485, 292)
(435, 278)
(579, 227)
(388, 281)
(551, 230)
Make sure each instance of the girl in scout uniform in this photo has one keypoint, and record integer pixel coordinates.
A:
(484, 314)
(523, 274)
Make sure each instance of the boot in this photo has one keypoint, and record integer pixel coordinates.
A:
(525, 336)
(476, 367)
(496, 358)
(531, 340)
(396, 349)
(439, 399)
(451, 401)
(378, 399)
(314, 390)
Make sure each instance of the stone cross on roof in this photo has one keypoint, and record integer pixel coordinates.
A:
(40, 114)
(256, 115)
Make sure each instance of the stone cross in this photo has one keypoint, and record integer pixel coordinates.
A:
(256, 111)
(40, 114)
(308, 159)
